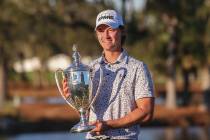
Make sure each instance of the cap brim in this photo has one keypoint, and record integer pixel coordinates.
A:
(110, 24)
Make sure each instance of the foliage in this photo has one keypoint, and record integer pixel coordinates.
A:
(44, 28)
(193, 26)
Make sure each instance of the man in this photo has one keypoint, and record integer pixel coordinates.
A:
(126, 97)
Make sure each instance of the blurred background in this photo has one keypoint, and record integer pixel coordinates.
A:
(172, 37)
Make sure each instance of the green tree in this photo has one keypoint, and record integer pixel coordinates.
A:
(44, 28)
(192, 30)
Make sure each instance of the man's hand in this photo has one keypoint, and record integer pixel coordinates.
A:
(66, 92)
(100, 127)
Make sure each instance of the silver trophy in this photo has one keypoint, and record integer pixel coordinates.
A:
(78, 77)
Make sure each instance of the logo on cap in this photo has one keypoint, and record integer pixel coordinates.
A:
(105, 17)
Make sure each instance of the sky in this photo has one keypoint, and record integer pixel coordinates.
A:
(137, 4)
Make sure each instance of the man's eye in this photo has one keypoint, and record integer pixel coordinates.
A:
(112, 30)
(100, 30)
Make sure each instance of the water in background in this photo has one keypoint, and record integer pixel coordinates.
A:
(192, 133)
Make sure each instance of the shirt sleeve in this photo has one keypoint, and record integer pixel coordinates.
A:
(143, 84)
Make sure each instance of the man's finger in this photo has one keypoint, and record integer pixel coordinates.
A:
(65, 85)
(66, 89)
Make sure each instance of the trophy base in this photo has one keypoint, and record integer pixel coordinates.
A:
(83, 125)
(81, 128)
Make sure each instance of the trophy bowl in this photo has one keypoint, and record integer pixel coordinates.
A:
(79, 83)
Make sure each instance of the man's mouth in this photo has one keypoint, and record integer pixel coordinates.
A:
(106, 41)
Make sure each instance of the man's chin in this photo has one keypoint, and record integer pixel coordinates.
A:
(108, 47)
(112, 49)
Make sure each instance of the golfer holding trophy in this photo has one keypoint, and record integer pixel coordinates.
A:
(117, 91)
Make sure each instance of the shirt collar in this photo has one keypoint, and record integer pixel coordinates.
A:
(123, 57)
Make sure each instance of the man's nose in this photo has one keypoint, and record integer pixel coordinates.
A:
(107, 34)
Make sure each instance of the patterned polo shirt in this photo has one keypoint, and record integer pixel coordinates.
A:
(124, 82)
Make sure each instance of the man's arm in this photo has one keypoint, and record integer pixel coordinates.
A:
(143, 113)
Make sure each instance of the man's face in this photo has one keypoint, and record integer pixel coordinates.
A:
(109, 39)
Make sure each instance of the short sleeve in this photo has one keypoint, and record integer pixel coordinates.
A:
(143, 83)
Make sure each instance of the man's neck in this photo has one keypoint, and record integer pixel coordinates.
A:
(111, 57)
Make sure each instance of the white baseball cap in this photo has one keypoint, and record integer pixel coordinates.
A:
(110, 18)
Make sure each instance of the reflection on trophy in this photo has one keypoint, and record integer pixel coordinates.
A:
(79, 83)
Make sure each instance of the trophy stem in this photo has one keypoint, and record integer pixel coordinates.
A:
(83, 117)
(83, 125)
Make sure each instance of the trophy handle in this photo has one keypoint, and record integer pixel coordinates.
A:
(59, 88)
(99, 87)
